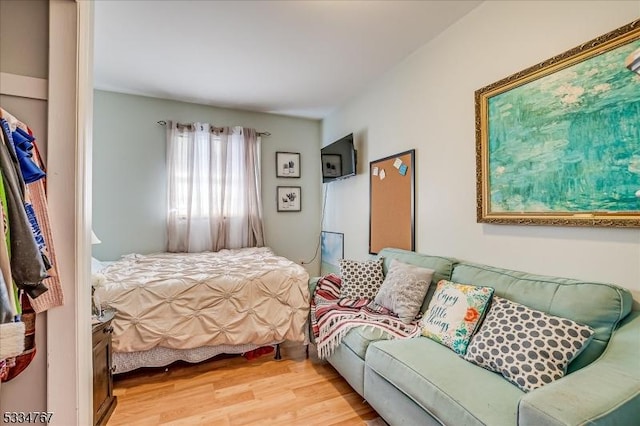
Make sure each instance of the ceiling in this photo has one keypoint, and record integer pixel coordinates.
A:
(299, 58)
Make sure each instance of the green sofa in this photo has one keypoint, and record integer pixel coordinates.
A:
(420, 382)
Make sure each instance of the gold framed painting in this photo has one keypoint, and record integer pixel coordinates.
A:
(559, 143)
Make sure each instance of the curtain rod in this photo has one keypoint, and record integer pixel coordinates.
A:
(164, 123)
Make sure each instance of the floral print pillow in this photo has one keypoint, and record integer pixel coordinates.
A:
(454, 313)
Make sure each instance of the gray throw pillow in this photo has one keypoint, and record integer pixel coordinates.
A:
(403, 289)
(529, 348)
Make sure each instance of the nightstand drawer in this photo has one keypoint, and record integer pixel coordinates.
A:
(104, 402)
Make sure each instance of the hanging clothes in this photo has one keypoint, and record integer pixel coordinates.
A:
(37, 190)
(27, 258)
(34, 175)
(12, 332)
(23, 144)
(5, 263)
(26, 261)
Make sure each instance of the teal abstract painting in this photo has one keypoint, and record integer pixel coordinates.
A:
(567, 142)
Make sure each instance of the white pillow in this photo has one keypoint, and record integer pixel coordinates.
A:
(403, 289)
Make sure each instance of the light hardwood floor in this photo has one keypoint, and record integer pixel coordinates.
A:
(234, 391)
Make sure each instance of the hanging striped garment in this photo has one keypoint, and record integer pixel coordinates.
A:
(332, 317)
(54, 297)
(38, 196)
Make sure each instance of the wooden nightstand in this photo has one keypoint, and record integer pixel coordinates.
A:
(104, 402)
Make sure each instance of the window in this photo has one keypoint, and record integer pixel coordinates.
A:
(214, 188)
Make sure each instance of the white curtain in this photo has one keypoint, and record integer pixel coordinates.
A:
(214, 194)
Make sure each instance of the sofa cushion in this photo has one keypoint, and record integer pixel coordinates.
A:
(600, 306)
(528, 347)
(454, 313)
(443, 266)
(358, 339)
(360, 279)
(403, 289)
(449, 388)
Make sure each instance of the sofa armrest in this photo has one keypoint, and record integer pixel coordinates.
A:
(606, 392)
(313, 283)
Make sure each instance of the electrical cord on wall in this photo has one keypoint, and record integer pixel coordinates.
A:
(324, 204)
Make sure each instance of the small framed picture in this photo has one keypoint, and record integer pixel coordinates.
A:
(288, 164)
(331, 165)
(288, 198)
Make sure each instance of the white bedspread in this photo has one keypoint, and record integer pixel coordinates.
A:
(189, 300)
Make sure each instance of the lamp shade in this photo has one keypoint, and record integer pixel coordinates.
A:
(94, 238)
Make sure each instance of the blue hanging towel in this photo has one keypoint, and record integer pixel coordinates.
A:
(23, 146)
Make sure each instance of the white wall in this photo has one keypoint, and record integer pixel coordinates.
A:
(427, 103)
(129, 179)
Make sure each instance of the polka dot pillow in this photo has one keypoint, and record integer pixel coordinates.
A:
(361, 279)
(529, 348)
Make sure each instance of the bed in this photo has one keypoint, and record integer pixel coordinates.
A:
(193, 306)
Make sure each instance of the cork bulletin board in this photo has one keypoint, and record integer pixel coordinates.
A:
(392, 202)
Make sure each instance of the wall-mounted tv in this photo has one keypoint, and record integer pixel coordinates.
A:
(338, 159)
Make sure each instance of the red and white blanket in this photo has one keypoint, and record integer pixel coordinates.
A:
(332, 317)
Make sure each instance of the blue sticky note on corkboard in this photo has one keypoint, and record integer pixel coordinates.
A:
(403, 169)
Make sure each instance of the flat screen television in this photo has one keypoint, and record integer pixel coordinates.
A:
(338, 159)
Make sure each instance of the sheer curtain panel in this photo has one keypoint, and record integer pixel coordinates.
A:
(214, 194)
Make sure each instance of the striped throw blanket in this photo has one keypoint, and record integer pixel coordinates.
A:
(332, 317)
